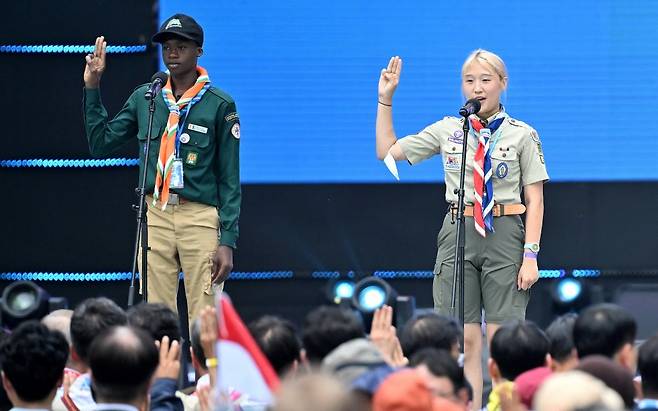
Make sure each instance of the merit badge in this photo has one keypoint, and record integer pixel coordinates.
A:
(235, 130)
(457, 137)
(191, 159)
(452, 163)
(184, 138)
(502, 170)
(176, 174)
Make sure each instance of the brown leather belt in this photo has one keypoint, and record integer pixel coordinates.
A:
(498, 210)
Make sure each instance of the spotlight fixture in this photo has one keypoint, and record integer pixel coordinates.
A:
(569, 294)
(24, 300)
(339, 290)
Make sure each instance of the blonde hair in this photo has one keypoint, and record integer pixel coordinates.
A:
(490, 59)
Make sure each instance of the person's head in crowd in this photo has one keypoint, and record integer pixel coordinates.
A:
(156, 319)
(407, 390)
(516, 347)
(90, 318)
(353, 359)
(5, 404)
(443, 374)
(527, 384)
(609, 330)
(277, 338)
(613, 374)
(430, 330)
(563, 352)
(122, 361)
(319, 392)
(327, 327)
(196, 349)
(575, 390)
(648, 367)
(33, 359)
(60, 320)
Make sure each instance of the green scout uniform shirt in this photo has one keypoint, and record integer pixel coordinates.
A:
(210, 158)
(517, 159)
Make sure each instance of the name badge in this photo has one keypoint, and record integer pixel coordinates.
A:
(177, 174)
(200, 129)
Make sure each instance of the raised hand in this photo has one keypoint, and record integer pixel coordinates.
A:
(95, 64)
(388, 80)
(384, 337)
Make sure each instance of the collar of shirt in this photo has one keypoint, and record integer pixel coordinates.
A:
(115, 406)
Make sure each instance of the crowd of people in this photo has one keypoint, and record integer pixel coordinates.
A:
(102, 357)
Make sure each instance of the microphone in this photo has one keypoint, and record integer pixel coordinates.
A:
(158, 80)
(472, 106)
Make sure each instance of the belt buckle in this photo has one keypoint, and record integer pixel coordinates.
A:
(173, 199)
(501, 210)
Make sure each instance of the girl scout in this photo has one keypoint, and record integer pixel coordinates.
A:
(504, 159)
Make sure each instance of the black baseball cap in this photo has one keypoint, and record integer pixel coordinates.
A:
(180, 25)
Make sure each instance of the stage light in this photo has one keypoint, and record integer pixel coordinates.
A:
(371, 293)
(568, 290)
(24, 300)
(339, 290)
(569, 294)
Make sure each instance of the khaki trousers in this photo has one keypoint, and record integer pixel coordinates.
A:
(182, 237)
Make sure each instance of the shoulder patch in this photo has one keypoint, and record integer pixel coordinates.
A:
(232, 117)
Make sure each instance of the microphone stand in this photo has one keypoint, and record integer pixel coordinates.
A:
(141, 236)
(460, 237)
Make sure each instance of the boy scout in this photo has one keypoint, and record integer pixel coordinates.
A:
(498, 273)
(193, 220)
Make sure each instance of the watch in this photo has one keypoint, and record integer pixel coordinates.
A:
(534, 247)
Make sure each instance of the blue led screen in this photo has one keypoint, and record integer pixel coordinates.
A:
(304, 75)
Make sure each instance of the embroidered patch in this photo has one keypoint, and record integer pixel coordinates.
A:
(452, 163)
(535, 137)
(173, 23)
(502, 170)
(191, 158)
(457, 137)
(235, 130)
(232, 116)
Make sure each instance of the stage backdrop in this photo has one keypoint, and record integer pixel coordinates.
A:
(304, 75)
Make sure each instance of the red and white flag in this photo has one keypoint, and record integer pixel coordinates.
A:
(243, 369)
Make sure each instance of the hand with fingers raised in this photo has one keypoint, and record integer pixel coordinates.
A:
(388, 80)
(95, 64)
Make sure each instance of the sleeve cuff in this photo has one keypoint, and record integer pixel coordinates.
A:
(92, 95)
(228, 238)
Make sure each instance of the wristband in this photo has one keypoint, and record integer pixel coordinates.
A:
(530, 254)
(211, 362)
(384, 104)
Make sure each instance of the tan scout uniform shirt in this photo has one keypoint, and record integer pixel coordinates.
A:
(517, 159)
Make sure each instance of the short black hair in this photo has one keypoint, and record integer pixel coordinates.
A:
(647, 365)
(560, 335)
(278, 340)
(33, 359)
(156, 319)
(429, 330)
(90, 318)
(518, 346)
(327, 327)
(603, 329)
(441, 364)
(122, 361)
